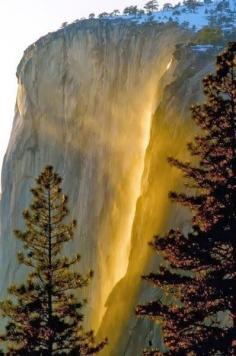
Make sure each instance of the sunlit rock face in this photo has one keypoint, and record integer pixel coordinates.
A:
(105, 103)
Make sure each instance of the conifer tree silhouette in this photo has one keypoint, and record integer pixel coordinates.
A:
(199, 270)
(44, 316)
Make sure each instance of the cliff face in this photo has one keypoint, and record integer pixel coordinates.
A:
(105, 103)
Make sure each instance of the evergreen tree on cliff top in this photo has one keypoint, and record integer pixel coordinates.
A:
(44, 317)
(151, 6)
(197, 277)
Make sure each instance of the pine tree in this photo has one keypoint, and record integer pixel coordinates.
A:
(131, 10)
(44, 316)
(197, 276)
(191, 4)
(151, 6)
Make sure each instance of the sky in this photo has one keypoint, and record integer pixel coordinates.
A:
(21, 23)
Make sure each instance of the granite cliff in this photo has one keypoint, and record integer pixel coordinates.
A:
(105, 102)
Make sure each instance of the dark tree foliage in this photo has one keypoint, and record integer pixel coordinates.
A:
(44, 317)
(131, 10)
(197, 277)
(115, 13)
(192, 4)
(167, 6)
(103, 15)
(151, 6)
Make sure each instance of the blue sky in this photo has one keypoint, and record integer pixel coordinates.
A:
(24, 21)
